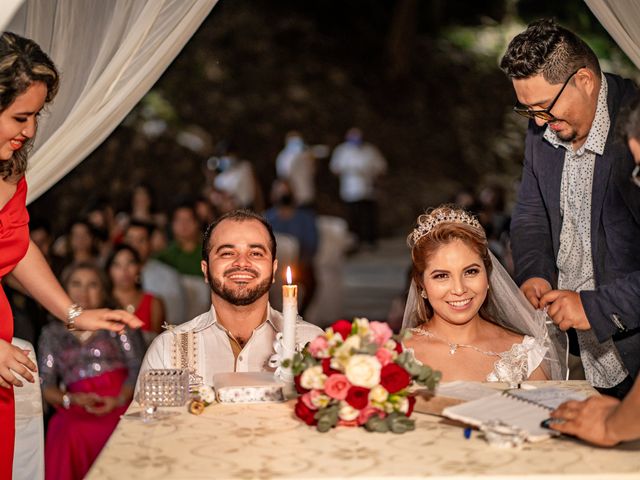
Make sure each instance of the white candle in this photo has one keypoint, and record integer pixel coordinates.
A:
(290, 313)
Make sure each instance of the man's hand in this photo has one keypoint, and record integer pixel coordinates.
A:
(534, 289)
(565, 309)
(587, 420)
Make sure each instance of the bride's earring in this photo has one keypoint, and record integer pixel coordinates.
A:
(423, 294)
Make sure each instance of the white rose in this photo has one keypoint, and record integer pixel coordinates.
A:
(206, 394)
(403, 405)
(320, 401)
(313, 378)
(363, 371)
(378, 394)
(342, 354)
(347, 412)
(351, 343)
(363, 326)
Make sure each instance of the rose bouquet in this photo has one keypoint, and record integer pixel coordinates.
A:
(357, 374)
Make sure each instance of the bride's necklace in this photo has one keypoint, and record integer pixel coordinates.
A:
(453, 347)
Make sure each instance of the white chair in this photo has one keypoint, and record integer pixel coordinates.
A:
(335, 239)
(197, 295)
(28, 459)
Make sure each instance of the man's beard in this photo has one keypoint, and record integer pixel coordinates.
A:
(241, 296)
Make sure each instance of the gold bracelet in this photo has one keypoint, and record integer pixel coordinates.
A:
(74, 312)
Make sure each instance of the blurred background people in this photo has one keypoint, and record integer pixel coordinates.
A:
(296, 164)
(124, 270)
(184, 253)
(87, 376)
(300, 223)
(235, 177)
(157, 277)
(79, 244)
(358, 164)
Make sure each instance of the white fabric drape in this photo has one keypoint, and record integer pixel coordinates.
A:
(110, 53)
(621, 19)
(9, 8)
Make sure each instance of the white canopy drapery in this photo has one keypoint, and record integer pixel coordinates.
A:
(621, 19)
(110, 53)
(9, 8)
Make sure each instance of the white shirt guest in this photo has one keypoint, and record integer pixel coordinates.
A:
(238, 332)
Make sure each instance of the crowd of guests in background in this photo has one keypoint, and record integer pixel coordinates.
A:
(147, 261)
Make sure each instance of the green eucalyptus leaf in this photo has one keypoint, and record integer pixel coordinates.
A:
(376, 424)
(399, 423)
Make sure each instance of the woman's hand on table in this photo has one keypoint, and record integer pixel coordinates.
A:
(105, 319)
(14, 360)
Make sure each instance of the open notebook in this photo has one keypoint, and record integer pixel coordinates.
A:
(524, 409)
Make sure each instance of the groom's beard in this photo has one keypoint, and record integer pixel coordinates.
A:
(239, 296)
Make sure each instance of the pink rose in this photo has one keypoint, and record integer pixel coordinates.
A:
(337, 386)
(381, 332)
(318, 346)
(367, 412)
(384, 356)
(306, 399)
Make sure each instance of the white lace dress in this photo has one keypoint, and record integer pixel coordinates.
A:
(514, 365)
(522, 357)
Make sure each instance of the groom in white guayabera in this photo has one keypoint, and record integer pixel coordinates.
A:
(238, 332)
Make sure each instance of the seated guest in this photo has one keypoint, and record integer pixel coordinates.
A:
(123, 267)
(183, 253)
(606, 421)
(300, 223)
(237, 333)
(157, 277)
(80, 244)
(87, 376)
(456, 326)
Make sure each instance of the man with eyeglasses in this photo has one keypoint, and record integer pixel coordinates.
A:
(576, 223)
(603, 420)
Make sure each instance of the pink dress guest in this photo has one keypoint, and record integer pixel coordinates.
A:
(103, 364)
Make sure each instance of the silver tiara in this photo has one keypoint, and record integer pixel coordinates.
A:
(428, 221)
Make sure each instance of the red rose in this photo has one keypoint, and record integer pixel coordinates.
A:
(299, 388)
(342, 327)
(412, 402)
(305, 413)
(394, 378)
(326, 367)
(398, 348)
(358, 397)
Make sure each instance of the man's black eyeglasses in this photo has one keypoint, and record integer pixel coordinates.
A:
(546, 113)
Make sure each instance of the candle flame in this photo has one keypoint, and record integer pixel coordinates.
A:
(289, 280)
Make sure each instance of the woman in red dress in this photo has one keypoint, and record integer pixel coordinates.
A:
(124, 268)
(28, 80)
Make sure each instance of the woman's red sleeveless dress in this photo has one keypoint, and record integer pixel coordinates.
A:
(14, 241)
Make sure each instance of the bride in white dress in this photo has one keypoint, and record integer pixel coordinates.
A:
(466, 316)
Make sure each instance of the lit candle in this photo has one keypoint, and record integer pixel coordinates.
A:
(290, 313)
